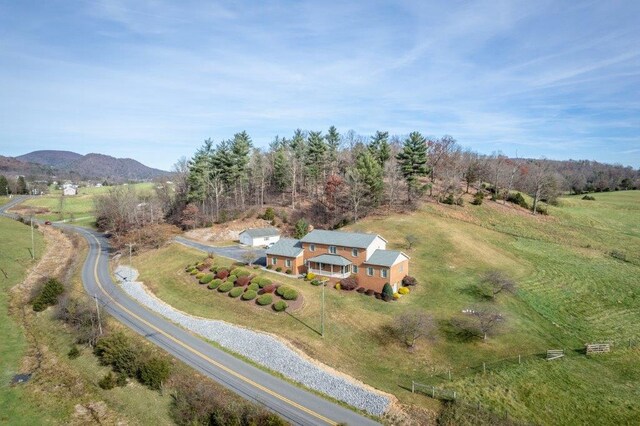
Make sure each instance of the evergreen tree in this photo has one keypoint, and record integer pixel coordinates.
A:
(240, 149)
(281, 170)
(315, 158)
(333, 143)
(298, 154)
(380, 148)
(22, 186)
(371, 172)
(4, 185)
(412, 161)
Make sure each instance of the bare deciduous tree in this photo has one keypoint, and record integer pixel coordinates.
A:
(494, 283)
(411, 326)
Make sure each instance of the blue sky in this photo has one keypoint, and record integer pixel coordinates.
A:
(151, 79)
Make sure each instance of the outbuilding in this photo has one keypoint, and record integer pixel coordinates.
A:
(259, 236)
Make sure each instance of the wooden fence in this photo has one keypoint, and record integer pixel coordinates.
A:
(433, 392)
(554, 354)
(598, 348)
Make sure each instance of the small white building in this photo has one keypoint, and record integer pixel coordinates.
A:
(69, 190)
(259, 236)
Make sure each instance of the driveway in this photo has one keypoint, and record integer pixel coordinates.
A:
(236, 252)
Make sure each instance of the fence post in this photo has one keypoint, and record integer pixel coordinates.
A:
(484, 368)
(454, 395)
(449, 374)
(413, 387)
(433, 392)
(519, 361)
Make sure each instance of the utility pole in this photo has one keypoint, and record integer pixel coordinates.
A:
(322, 316)
(33, 245)
(98, 311)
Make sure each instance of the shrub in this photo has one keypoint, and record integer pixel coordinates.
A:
(254, 287)
(232, 278)
(214, 269)
(236, 291)
(194, 272)
(290, 294)
(338, 286)
(199, 275)
(206, 279)
(369, 292)
(240, 272)
(108, 381)
(48, 296)
(589, 198)
(269, 267)
(154, 372)
(404, 290)
(269, 288)
(361, 290)
(541, 209)
(478, 198)
(316, 282)
(256, 266)
(202, 266)
(222, 274)
(119, 352)
(242, 281)
(288, 271)
(280, 306)
(409, 281)
(74, 352)
(349, 283)
(215, 284)
(279, 269)
(264, 300)
(396, 296)
(249, 295)
(269, 214)
(518, 199)
(262, 282)
(310, 276)
(189, 269)
(225, 287)
(387, 292)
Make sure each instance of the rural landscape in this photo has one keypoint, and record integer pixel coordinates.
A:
(319, 213)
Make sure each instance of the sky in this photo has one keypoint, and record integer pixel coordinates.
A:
(152, 79)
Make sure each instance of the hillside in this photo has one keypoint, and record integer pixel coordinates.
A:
(10, 166)
(105, 166)
(53, 158)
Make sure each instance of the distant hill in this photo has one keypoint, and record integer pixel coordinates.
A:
(57, 159)
(71, 165)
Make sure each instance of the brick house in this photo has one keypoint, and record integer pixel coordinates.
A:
(338, 255)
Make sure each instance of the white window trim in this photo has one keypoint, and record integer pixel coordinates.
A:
(312, 247)
(369, 271)
(288, 263)
(354, 252)
(335, 250)
(274, 260)
(355, 269)
(384, 273)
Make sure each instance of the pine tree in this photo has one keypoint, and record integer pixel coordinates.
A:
(380, 148)
(22, 186)
(240, 149)
(281, 170)
(412, 161)
(315, 158)
(333, 143)
(298, 155)
(371, 172)
(4, 185)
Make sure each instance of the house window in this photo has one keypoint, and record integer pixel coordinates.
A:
(312, 247)
(354, 252)
(332, 249)
(370, 271)
(288, 263)
(384, 273)
(274, 260)
(355, 269)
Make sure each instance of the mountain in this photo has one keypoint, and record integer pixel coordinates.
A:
(105, 166)
(71, 165)
(57, 159)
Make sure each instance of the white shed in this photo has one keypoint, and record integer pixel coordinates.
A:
(259, 236)
(69, 190)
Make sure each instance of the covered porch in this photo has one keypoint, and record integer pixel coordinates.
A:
(328, 265)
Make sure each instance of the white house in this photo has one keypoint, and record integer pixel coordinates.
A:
(69, 190)
(259, 236)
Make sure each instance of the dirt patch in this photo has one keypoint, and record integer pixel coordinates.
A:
(228, 231)
(29, 211)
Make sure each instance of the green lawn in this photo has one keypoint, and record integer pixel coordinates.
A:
(570, 291)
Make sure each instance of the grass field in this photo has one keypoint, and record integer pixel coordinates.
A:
(78, 209)
(570, 291)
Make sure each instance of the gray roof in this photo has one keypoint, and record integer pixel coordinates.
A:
(384, 257)
(261, 232)
(330, 259)
(339, 238)
(287, 247)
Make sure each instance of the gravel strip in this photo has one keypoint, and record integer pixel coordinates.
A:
(260, 348)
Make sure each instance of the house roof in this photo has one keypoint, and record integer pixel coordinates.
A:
(287, 247)
(261, 232)
(339, 238)
(330, 259)
(385, 257)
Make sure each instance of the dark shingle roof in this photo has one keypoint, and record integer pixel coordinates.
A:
(287, 247)
(384, 257)
(261, 232)
(339, 238)
(330, 259)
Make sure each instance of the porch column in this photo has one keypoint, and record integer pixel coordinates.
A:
(331, 269)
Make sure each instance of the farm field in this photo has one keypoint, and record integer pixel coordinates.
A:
(78, 209)
(577, 272)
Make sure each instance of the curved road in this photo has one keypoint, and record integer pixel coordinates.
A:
(297, 405)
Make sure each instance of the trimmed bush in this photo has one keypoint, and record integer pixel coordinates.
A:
(349, 283)
(278, 269)
(215, 284)
(256, 266)
(231, 279)
(269, 267)
(404, 290)
(261, 281)
(206, 279)
(288, 271)
(48, 296)
(396, 296)
(310, 276)
(225, 287)
(265, 299)
(154, 372)
(240, 272)
(194, 272)
(290, 294)
(361, 289)
(281, 290)
(269, 288)
(316, 282)
(253, 286)
(409, 281)
(369, 292)
(280, 306)
(188, 269)
(214, 269)
(243, 281)
(236, 291)
(202, 266)
(387, 292)
(338, 286)
(222, 274)
(199, 275)
(249, 295)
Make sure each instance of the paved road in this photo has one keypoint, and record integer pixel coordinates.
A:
(298, 406)
(233, 252)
